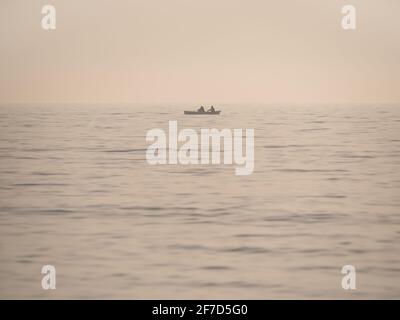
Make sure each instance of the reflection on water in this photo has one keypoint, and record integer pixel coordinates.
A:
(76, 192)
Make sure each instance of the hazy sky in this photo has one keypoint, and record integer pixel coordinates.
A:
(206, 51)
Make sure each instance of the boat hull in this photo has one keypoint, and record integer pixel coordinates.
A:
(202, 113)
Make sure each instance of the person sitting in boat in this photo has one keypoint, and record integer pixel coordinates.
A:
(212, 110)
(201, 109)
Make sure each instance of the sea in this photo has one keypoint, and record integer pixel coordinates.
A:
(77, 193)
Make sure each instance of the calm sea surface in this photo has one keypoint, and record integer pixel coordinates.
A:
(76, 192)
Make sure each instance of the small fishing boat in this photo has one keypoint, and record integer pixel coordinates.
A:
(202, 112)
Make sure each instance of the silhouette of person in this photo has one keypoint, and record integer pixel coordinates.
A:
(211, 109)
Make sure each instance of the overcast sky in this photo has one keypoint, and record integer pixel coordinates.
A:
(205, 51)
